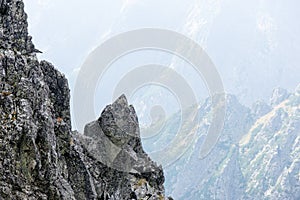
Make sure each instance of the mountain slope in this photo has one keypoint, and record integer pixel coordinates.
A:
(257, 155)
(270, 153)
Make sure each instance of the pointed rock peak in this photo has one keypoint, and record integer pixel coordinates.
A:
(279, 90)
(278, 96)
(13, 27)
(107, 162)
(122, 101)
(119, 122)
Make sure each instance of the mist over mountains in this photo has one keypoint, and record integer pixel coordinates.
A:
(252, 43)
(256, 157)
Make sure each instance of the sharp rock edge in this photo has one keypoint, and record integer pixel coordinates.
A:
(40, 157)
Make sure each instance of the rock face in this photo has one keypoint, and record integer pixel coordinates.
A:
(279, 95)
(40, 157)
(257, 155)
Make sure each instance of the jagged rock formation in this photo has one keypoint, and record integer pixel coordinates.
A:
(256, 157)
(279, 95)
(260, 108)
(270, 153)
(218, 175)
(40, 158)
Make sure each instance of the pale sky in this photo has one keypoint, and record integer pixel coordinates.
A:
(254, 44)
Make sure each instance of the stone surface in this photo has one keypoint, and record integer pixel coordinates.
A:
(40, 157)
(279, 95)
(257, 155)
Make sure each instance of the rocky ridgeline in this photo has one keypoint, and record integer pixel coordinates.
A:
(40, 158)
(257, 155)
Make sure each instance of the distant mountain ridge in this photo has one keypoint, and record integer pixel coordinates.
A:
(257, 156)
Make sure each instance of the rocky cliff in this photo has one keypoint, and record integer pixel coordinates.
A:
(256, 157)
(40, 157)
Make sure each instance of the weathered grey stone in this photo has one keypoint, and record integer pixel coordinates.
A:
(40, 157)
